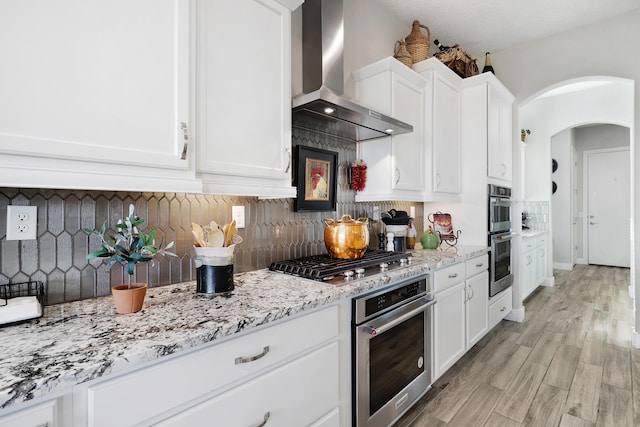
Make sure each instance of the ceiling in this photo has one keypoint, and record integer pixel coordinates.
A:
(480, 26)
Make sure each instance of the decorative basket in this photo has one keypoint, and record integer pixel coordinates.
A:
(418, 43)
(459, 61)
(401, 53)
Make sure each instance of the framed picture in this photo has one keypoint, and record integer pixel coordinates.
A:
(316, 179)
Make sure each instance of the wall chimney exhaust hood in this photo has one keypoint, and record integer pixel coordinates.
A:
(322, 108)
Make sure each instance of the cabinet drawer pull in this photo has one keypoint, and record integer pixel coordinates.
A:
(503, 309)
(480, 265)
(289, 161)
(241, 360)
(453, 276)
(185, 133)
(396, 174)
(267, 415)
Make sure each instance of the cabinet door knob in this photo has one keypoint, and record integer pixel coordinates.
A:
(241, 360)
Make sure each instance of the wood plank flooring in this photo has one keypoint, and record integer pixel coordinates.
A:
(570, 363)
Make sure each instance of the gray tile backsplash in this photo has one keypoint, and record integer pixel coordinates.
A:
(273, 231)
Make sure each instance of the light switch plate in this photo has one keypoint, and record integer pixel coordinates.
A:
(237, 213)
(412, 211)
(22, 222)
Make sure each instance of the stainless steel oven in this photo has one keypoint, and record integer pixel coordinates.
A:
(500, 277)
(499, 209)
(391, 351)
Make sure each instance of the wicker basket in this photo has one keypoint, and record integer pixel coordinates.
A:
(401, 53)
(418, 43)
(459, 61)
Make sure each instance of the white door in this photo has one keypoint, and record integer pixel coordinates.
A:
(608, 212)
(574, 205)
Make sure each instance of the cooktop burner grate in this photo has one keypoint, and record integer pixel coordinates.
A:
(323, 267)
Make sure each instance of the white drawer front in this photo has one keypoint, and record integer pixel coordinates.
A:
(541, 241)
(39, 415)
(528, 244)
(477, 265)
(295, 394)
(499, 308)
(449, 276)
(180, 380)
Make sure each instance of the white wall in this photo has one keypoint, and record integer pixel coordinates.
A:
(603, 49)
(561, 221)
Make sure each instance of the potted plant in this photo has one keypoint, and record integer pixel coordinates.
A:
(524, 133)
(128, 246)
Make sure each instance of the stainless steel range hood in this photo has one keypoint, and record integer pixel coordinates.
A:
(322, 108)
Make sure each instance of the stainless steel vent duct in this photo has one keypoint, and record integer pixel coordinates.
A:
(322, 108)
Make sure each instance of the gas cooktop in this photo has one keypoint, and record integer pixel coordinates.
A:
(338, 271)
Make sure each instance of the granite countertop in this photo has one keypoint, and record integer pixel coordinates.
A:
(84, 340)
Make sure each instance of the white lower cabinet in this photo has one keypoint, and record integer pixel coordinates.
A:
(42, 415)
(295, 394)
(283, 372)
(500, 306)
(533, 263)
(461, 315)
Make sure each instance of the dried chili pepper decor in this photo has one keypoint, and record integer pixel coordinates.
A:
(358, 175)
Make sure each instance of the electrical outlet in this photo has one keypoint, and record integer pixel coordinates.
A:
(22, 222)
(412, 211)
(376, 213)
(237, 213)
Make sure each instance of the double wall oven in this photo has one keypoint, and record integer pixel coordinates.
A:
(500, 235)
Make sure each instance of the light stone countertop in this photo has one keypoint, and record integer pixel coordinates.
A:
(84, 340)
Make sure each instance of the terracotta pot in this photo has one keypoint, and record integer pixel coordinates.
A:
(129, 300)
(347, 238)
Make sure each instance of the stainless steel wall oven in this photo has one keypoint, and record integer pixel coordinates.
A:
(499, 205)
(391, 350)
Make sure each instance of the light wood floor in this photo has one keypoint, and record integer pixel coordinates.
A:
(570, 363)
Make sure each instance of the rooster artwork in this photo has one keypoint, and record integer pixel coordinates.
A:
(317, 186)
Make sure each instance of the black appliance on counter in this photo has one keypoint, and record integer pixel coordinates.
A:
(500, 258)
(339, 271)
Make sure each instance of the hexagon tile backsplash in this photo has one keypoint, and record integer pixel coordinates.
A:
(273, 232)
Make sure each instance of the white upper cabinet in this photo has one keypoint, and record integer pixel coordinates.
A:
(491, 122)
(244, 97)
(95, 94)
(394, 164)
(442, 130)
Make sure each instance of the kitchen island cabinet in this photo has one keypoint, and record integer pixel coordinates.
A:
(244, 97)
(99, 95)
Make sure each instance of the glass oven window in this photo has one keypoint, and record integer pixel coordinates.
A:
(396, 359)
(502, 258)
(501, 212)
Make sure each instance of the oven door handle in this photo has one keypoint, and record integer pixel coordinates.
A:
(502, 238)
(381, 329)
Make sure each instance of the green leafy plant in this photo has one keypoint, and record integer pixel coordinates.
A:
(129, 245)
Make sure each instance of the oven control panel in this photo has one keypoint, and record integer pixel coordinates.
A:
(383, 300)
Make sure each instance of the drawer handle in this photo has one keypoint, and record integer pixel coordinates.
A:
(241, 360)
(480, 265)
(267, 415)
(503, 309)
(452, 276)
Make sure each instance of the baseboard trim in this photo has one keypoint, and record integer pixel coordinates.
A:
(516, 315)
(549, 281)
(581, 261)
(562, 266)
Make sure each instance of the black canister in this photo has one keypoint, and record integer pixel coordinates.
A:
(400, 244)
(214, 279)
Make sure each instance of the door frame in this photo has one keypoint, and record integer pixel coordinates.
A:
(585, 194)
